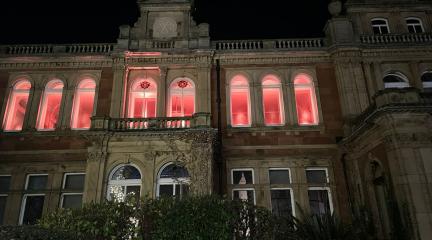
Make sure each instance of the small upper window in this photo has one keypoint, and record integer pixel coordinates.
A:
(306, 103)
(395, 80)
(240, 102)
(182, 98)
(380, 26)
(50, 106)
(83, 104)
(16, 106)
(272, 101)
(414, 25)
(142, 99)
(427, 80)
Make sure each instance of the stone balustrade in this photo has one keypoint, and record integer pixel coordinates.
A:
(45, 49)
(396, 38)
(276, 44)
(198, 120)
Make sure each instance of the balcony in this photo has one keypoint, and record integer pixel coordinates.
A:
(47, 49)
(198, 120)
(270, 44)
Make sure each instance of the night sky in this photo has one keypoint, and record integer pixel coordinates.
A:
(79, 21)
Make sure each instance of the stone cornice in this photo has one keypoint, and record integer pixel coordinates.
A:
(300, 57)
(55, 63)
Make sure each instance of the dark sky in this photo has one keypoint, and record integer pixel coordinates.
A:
(79, 21)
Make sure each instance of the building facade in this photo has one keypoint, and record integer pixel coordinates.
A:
(341, 123)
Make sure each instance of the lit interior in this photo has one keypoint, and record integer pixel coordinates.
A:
(307, 111)
(16, 107)
(240, 110)
(182, 98)
(142, 99)
(272, 101)
(50, 106)
(83, 104)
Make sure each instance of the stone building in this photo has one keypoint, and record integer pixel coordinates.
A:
(340, 124)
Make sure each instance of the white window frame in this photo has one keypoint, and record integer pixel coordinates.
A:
(172, 91)
(74, 101)
(420, 23)
(67, 194)
(244, 189)
(280, 169)
(426, 84)
(330, 199)
(70, 174)
(169, 181)
(248, 88)
(319, 169)
(281, 99)
(314, 100)
(123, 183)
(239, 170)
(63, 187)
(404, 84)
(41, 116)
(292, 198)
(23, 204)
(33, 175)
(380, 26)
(12, 92)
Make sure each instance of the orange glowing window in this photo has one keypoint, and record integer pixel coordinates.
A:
(142, 99)
(16, 106)
(240, 102)
(82, 109)
(272, 101)
(182, 98)
(306, 104)
(50, 106)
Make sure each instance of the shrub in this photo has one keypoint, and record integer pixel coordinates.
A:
(34, 233)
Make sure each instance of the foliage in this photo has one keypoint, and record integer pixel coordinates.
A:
(34, 233)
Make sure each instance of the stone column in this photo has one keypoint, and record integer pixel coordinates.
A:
(415, 73)
(162, 93)
(119, 83)
(33, 107)
(95, 173)
(203, 97)
(68, 95)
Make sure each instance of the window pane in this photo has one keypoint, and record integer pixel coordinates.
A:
(239, 107)
(306, 105)
(75, 182)
(188, 101)
(281, 203)
(33, 209)
(72, 201)
(279, 177)
(182, 189)
(272, 106)
(174, 171)
(4, 184)
(133, 192)
(16, 111)
(242, 177)
(319, 201)
(37, 182)
(244, 195)
(126, 172)
(49, 111)
(316, 176)
(83, 109)
(166, 190)
(2, 208)
(117, 193)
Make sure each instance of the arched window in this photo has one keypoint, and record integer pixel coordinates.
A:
(272, 101)
(173, 180)
(124, 182)
(427, 80)
(414, 25)
(395, 80)
(306, 103)
(16, 106)
(240, 102)
(380, 26)
(50, 106)
(142, 99)
(83, 104)
(182, 98)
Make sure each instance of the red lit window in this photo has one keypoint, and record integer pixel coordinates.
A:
(306, 105)
(50, 106)
(240, 102)
(83, 104)
(142, 99)
(272, 101)
(182, 98)
(16, 107)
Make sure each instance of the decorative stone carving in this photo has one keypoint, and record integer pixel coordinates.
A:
(164, 27)
(335, 7)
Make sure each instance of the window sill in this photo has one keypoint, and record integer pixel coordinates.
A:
(288, 129)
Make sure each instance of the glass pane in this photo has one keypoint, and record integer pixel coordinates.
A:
(49, 111)
(16, 111)
(126, 172)
(4, 184)
(117, 193)
(174, 171)
(133, 192)
(279, 177)
(75, 182)
(166, 190)
(272, 106)
(181, 189)
(37, 182)
(244, 195)
(240, 107)
(242, 177)
(33, 209)
(72, 201)
(316, 176)
(319, 201)
(2, 208)
(281, 202)
(176, 106)
(189, 105)
(306, 106)
(83, 109)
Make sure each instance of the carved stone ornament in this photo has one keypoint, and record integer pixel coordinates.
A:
(164, 27)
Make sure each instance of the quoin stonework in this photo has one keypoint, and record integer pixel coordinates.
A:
(337, 124)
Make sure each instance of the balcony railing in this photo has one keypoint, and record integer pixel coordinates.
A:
(396, 38)
(198, 120)
(276, 44)
(42, 49)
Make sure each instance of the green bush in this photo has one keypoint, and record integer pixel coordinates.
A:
(34, 233)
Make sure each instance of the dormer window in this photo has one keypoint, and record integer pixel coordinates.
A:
(380, 26)
(414, 25)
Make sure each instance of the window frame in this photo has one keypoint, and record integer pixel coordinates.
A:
(68, 194)
(244, 189)
(280, 169)
(426, 84)
(316, 108)
(249, 100)
(379, 26)
(399, 85)
(292, 198)
(41, 118)
(132, 92)
(164, 181)
(75, 94)
(413, 25)
(72, 191)
(5, 194)
(329, 195)
(318, 169)
(24, 202)
(8, 98)
(35, 175)
(281, 99)
(123, 183)
(172, 90)
(239, 170)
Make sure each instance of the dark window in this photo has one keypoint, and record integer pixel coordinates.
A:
(72, 201)
(4, 184)
(281, 202)
(319, 201)
(125, 173)
(242, 177)
(414, 25)
(380, 26)
(74, 182)
(316, 176)
(174, 171)
(244, 195)
(33, 209)
(37, 182)
(279, 176)
(166, 190)
(2, 208)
